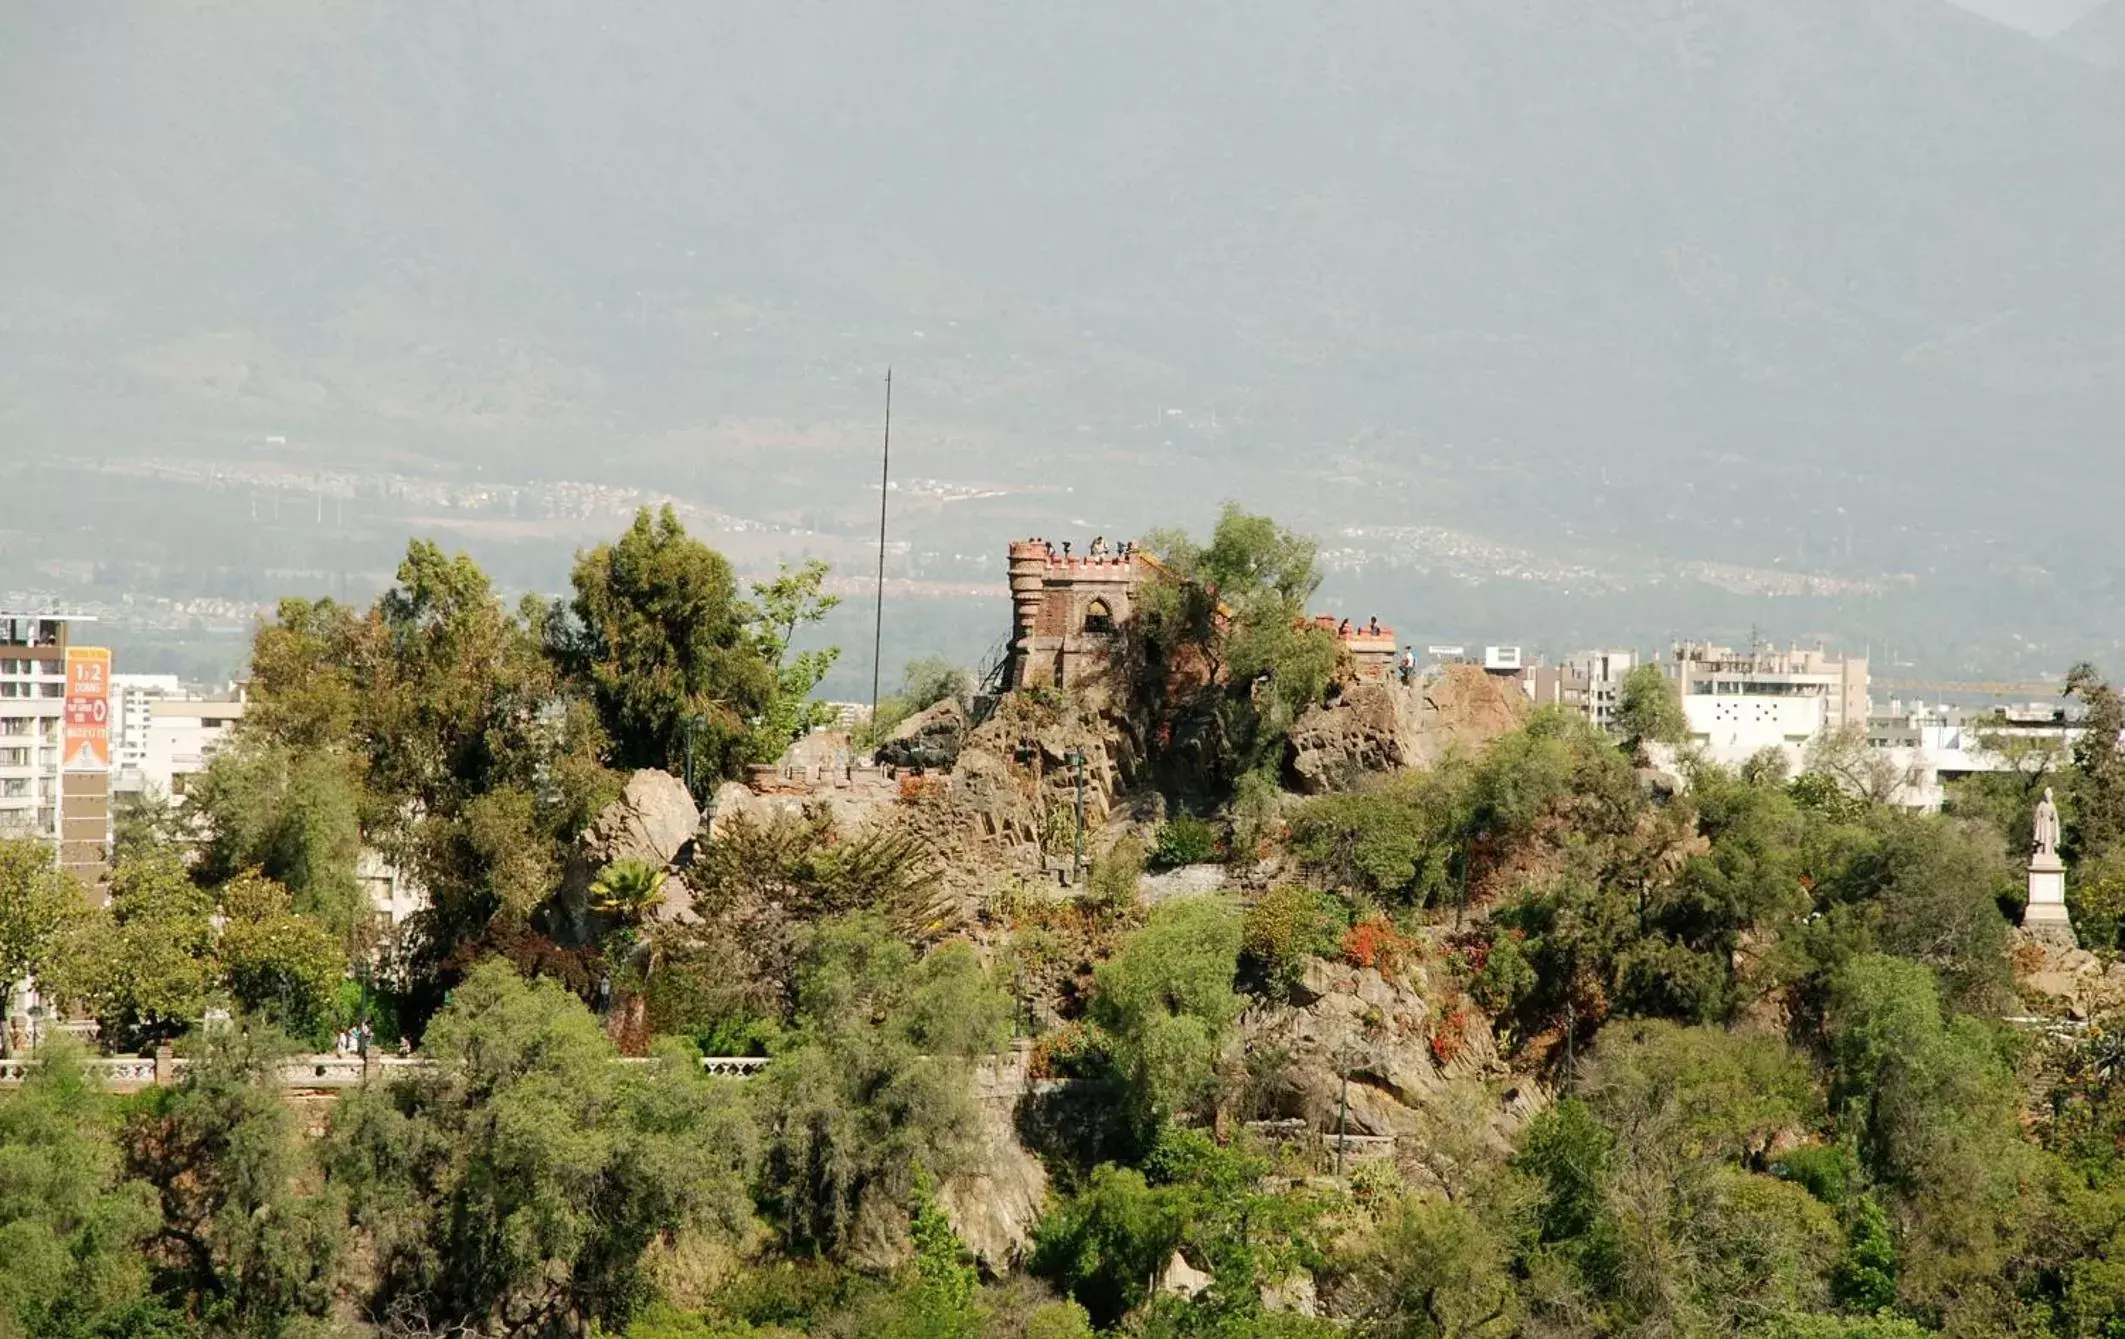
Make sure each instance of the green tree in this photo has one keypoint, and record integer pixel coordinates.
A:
(1400, 842)
(1925, 888)
(38, 907)
(521, 1185)
(2098, 810)
(472, 766)
(1648, 1213)
(143, 965)
(1108, 1244)
(793, 600)
(873, 1083)
(71, 1227)
(142, 820)
(657, 637)
(276, 963)
(246, 1250)
(1931, 1105)
(292, 814)
(628, 889)
(1436, 1271)
(1649, 709)
(1866, 1280)
(1164, 1001)
(1224, 658)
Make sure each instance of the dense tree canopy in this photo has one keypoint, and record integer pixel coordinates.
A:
(1715, 1052)
(1227, 660)
(657, 638)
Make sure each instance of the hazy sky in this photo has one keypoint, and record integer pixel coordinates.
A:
(2042, 17)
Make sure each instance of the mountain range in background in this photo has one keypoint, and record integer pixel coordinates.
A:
(2039, 18)
(1635, 291)
(2099, 37)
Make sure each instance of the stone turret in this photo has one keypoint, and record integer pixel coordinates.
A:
(1067, 612)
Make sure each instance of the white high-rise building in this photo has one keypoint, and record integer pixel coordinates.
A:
(32, 713)
(167, 733)
(1740, 703)
(132, 695)
(44, 793)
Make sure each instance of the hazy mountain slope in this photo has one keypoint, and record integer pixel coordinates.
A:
(2099, 37)
(1749, 257)
(2042, 18)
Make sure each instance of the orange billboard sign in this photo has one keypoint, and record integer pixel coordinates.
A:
(88, 710)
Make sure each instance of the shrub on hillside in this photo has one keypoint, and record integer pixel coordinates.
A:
(1184, 841)
(1284, 929)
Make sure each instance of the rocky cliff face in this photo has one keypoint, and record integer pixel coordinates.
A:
(931, 738)
(994, 1205)
(654, 821)
(1423, 1065)
(1369, 730)
(1372, 729)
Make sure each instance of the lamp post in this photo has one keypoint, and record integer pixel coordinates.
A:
(1076, 870)
(690, 724)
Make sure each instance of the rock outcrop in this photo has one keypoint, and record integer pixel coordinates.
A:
(1466, 707)
(995, 1203)
(652, 821)
(1369, 730)
(931, 738)
(2058, 981)
(1373, 729)
(1413, 1067)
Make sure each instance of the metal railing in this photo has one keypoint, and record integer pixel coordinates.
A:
(315, 1071)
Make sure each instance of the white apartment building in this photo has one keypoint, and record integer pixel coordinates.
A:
(1932, 746)
(166, 732)
(131, 696)
(32, 722)
(393, 894)
(1739, 703)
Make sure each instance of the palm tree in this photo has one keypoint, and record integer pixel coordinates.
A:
(627, 889)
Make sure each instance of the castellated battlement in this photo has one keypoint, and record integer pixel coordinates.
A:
(1067, 610)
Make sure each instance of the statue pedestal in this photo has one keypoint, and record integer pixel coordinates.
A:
(2045, 917)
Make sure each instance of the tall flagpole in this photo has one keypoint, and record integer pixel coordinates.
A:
(885, 471)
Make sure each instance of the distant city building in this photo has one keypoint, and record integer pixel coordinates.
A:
(847, 715)
(1601, 675)
(130, 696)
(1932, 747)
(1739, 703)
(32, 709)
(1502, 659)
(394, 895)
(1557, 686)
(55, 740)
(170, 737)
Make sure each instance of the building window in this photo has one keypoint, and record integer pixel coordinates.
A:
(1099, 617)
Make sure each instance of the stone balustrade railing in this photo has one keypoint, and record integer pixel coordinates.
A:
(314, 1071)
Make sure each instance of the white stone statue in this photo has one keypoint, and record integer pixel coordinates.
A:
(2047, 826)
